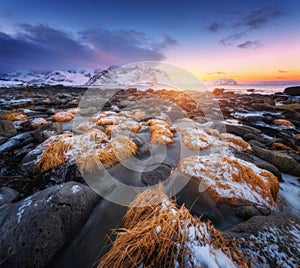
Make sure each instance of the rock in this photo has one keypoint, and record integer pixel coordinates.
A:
(270, 240)
(218, 91)
(258, 162)
(16, 142)
(252, 136)
(232, 181)
(7, 128)
(241, 130)
(281, 160)
(125, 103)
(256, 143)
(34, 229)
(3, 139)
(156, 175)
(246, 212)
(264, 107)
(283, 122)
(7, 195)
(292, 91)
(280, 146)
(43, 132)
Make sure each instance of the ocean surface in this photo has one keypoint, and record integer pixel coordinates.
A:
(243, 89)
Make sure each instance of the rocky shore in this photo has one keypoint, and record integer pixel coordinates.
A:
(238, 148)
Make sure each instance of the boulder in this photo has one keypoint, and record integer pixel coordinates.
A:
(16, 142)
(271, 240)
(284, 162)
(7, 128)
(7, 195)
(259, 163)
(292, 91)
(232, 181)
(33, 230)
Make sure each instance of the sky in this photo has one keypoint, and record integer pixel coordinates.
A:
(249, 41)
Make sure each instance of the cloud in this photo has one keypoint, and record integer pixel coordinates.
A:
(215, 72)
(229, 40)
(214, 27)
(241, 25)
(282, 71)
(258, 17)
(250, 44)
(41, 47)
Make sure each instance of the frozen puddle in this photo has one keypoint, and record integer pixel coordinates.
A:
(290, 191)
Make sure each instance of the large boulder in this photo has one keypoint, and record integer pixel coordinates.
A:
(233, 182)
(259, 163)
(283, 161)
(292, 91)
(270, 240)
(33, 230)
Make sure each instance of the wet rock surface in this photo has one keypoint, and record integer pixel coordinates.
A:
(34, 229)
(272, 241)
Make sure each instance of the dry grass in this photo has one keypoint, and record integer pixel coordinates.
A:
(235, 141)
(62, 117)
(107, 121)
(281, 146)
(36, 122)
(160, 132)
(53, 156)
(90, 163)
(117, 150)
(283, 122)
(17, 116)
(139, 242)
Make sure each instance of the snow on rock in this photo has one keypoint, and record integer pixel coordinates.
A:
(199, 137)
(75, 189)
(269, 241)
(233, 181)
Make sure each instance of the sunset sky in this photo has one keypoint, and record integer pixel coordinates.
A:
(248, 41)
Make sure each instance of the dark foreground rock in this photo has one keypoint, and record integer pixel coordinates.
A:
(33, 230)
(292, 91)
(271, 241)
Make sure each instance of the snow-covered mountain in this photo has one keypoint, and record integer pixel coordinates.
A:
(222, 82)
(128, 75)
(66, 78)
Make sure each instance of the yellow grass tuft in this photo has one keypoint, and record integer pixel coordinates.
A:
(160, 132)
(90, 163)
(62, 117)
(53, 156)
(107, 121)
(141, 244)
(117, 150)
(17, 116)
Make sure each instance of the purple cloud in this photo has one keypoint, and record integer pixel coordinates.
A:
(41, 47)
